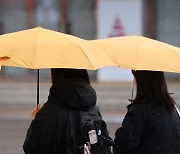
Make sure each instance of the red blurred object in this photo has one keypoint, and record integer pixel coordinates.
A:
(30, 13)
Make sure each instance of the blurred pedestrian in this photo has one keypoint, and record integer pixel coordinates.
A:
(152, 123)
(56, 127)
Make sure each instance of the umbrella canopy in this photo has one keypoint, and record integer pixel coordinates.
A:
(42, 48)
(141, 53)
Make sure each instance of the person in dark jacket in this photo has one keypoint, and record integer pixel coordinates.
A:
(152, 124)
(55, 128)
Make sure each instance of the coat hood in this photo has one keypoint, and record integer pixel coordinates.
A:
(73, 93)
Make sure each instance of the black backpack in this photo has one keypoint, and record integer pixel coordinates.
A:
(90, 123)
(94, 132)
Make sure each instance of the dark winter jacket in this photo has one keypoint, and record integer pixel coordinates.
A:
(55, 129)
(145, 131)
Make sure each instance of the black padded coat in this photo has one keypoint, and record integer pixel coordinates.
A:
(145, 131)
(55, 129)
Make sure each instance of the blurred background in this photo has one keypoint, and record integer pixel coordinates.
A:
(87, 19)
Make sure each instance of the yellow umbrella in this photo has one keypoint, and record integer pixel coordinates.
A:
(141, 53)
(42, 48)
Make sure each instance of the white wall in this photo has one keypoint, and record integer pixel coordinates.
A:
(129, 13)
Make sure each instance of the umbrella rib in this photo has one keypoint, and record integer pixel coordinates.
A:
(36, 40)
(86, 56)
(112, 58)
(81, 49)
(136, 59)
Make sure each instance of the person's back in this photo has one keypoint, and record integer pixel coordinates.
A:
(162, 133)
(148, 131)
(56, 127)
(152, 124)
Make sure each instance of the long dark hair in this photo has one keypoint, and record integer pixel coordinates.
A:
(152, 89)
(58, 73)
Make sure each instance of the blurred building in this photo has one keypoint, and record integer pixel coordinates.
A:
(91, 19)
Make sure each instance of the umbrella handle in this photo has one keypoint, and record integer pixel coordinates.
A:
(36, 109)
(37, 88)
(132, 92)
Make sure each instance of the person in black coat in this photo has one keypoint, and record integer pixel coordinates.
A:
(152, 124)
(56, 128)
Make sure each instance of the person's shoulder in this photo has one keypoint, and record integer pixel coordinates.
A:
(51, 109)
(138, 110)
(137, 107)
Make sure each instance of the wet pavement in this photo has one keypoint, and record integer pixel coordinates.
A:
(17, 99)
